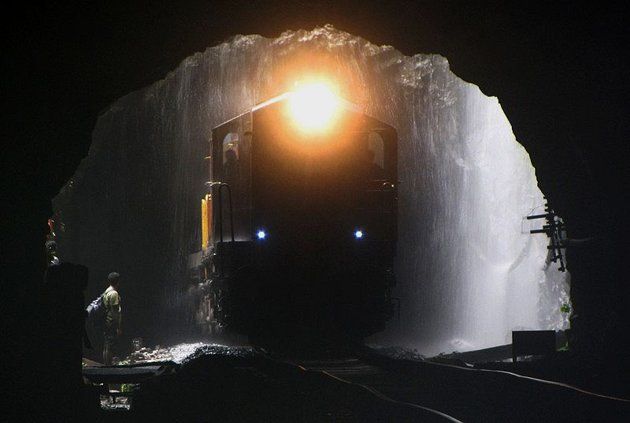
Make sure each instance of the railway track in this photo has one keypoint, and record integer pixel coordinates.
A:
(425, 391)
(356, 390)
(360, 386)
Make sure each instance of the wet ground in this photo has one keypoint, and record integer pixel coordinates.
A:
(182, 353)
(117, 397)
(214, 382)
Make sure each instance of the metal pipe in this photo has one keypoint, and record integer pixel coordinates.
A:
(229, 189)
(219, 197)
(540, 216)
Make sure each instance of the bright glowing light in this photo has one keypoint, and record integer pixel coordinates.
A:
(261, 234)
(314, 106)
(358, 234)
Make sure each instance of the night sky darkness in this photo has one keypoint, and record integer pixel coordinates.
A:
(560, 73)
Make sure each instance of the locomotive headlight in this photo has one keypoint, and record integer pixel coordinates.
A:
(261, 234)
(358, 234)
(313, 107)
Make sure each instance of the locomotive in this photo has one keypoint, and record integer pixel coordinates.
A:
(298, 220)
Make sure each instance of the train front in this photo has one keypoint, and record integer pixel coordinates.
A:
(303, 233)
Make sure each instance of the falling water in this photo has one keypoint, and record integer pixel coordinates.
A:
(468, 270)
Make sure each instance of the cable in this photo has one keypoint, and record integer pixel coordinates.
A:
(263, 354)
(385, 397)
(549, 382)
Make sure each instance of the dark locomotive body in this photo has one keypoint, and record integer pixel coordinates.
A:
(299, 228)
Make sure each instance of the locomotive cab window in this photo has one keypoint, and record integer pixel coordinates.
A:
(231, 156)
(375, 156)
(230, 143)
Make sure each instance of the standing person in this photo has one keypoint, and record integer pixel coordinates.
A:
(113, 317)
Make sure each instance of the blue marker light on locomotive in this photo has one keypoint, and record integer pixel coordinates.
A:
(358, 234)
(261, 234)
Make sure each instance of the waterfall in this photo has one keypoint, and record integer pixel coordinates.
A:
(468, 270)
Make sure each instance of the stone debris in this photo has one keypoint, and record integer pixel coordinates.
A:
(400, 353)
(183, 353)
(110, 403)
